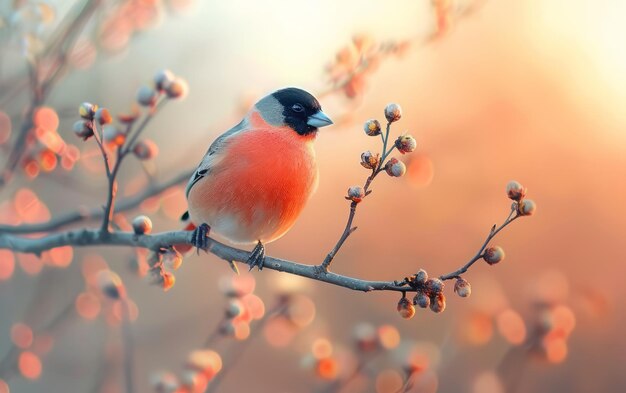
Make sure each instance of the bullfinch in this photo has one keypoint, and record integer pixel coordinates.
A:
(255, 179)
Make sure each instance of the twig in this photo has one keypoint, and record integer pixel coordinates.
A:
(97, 212)
(41, 89)
(349, 229)
(494, 231)
(217, 380)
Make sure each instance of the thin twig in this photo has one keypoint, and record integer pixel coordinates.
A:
(97, 212)
(349, 229)
(513, 215)
(242, 347)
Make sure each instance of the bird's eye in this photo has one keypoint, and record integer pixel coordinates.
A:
(297, 108)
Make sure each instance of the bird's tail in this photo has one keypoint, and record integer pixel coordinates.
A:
(187, 226)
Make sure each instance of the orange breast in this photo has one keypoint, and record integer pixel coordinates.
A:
(260, 185)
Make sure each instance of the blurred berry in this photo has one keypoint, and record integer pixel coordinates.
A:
(421, 300)
(406, 144)
(164, 382)
(178, 88)
(146, 96)
(372, 127)
(142, 225)
(356, 194)
(113, 136)
(526, 207)
(110, 284)
(162, 79)
(103, 116)
(234, 309)
(146, 149)
(421, 276)
(87, 110)
(406, 308)
(438, 303)
(395, 167)
(393, 112)
(365, 337)
(493, 255)
(369, 160)
(434, 286)
(462, 287)
(82, 129)
(515, 191)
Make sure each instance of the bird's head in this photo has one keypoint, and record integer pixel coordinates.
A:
(294, 108)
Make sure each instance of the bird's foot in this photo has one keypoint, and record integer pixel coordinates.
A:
(200, 237)
(257, 257)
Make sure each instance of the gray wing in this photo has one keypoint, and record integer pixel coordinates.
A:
(205, 165)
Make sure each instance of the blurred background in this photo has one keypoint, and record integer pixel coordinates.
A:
(492, 91)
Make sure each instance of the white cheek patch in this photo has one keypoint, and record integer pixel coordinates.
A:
(271, 111)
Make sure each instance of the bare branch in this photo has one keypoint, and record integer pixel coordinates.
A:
(97, 213)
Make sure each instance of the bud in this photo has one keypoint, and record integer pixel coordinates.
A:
(178, 88)
(227, 329)
(162, 79)
(406, 144)
(113, 136)
(82, 129)
(515, 191)
(164, 382)
(438, 303)
(168, 281)
(145, 149)
(421, 276)
(110, 284)
(434, 286)
(356, 194)
(369, 160)
(87, 110)
(142, 225)
(146, 96)
(395, 167)
(103, 116)
(172, 259)
(526, 207)
(234, 309)
(462, 287)
(421, 300)
(406, 308)
(372, 127)
(365, 337)
(493, 255)
(393, 112)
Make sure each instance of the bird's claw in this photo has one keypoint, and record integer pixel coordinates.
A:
(257, 257)
(200, 237)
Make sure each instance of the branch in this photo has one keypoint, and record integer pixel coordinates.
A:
(96, 213)
(164, 240)
(93, 237)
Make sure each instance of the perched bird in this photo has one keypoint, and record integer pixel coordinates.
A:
(255, 179)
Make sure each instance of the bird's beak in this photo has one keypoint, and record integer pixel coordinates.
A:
(318, 120)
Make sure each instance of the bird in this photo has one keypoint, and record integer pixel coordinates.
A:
(255, 179)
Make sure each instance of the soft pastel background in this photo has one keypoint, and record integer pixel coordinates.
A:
(533, 91)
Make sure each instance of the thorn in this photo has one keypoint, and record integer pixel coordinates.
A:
(233, 267)
(493, 228)
(352, 230)
(368, 192)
